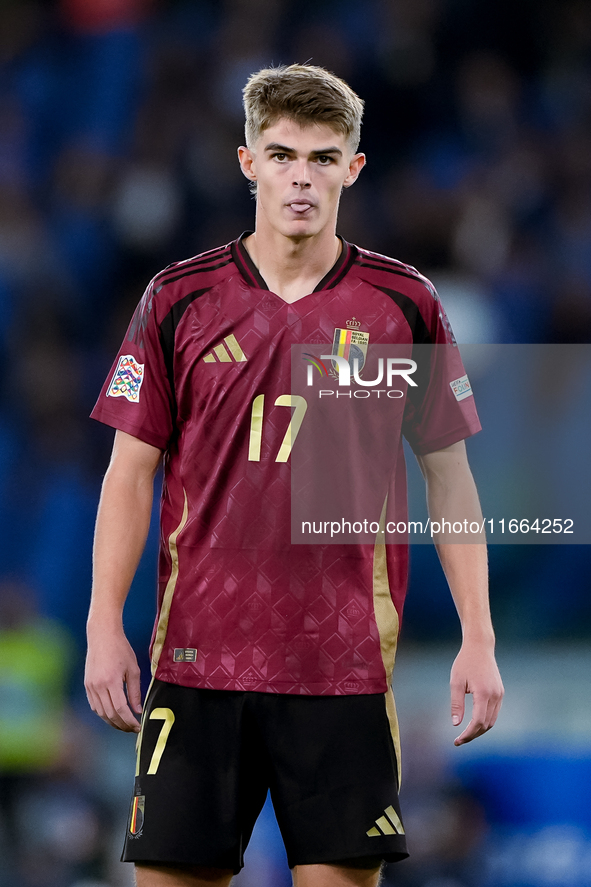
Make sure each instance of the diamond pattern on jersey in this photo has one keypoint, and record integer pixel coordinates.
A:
(353, 612)
(255, 607)
(273, 618)
(351, 684)
(335, 647)
(365, 649)
(267, 636)
(261, 613)
(320, 610)
(287, 608)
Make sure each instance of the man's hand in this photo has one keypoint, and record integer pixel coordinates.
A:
(475, 671)
(452, 496)
(126, 500)
(111, 666)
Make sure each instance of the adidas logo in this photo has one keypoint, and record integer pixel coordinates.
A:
(389, 824)
(228, 351)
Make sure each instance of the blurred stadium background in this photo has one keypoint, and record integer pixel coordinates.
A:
(119, 121)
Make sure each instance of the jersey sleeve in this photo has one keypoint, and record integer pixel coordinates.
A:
(440, 410)
(137, 396)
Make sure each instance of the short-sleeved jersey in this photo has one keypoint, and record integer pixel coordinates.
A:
(204, 374)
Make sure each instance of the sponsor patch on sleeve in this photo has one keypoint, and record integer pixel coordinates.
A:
(461, 387)
(127, 379)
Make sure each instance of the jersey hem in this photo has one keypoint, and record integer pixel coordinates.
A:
(289, 688)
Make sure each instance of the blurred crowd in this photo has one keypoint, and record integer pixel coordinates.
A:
(119, 121)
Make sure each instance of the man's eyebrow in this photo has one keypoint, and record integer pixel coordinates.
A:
(275, 146)
(333, 150)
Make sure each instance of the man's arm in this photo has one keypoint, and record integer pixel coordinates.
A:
(452, 496)
(122, 526)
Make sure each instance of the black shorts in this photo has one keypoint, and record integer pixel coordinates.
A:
(207, 758)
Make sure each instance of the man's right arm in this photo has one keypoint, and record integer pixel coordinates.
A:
(122, 526)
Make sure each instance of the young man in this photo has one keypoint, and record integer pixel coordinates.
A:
(272, 662)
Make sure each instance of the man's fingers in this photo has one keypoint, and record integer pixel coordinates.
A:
(458, 702)
(473, 730)
(477, 722)
(477, 674)
(496, 707)
(111, 705)
(93, 702)
(119, 713)
(134, 693)
(484, 714)
(105, 710)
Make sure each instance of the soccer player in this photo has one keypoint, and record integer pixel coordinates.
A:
(272, 661)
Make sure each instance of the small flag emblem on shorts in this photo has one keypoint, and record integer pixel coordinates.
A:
(136, 819)
(127, 379)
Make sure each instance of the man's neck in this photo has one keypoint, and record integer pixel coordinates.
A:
(292, 268)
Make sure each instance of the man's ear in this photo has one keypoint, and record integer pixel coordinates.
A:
(356, 164)
(247, 161)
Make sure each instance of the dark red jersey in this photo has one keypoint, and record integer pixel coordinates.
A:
(206, 373)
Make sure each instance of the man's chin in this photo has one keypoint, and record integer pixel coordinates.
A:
(300, 236)
(297, 229)
(300, 229)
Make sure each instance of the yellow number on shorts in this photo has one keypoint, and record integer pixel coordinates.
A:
(166, 715)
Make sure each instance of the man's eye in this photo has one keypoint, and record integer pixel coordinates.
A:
(280, 156)
(324, 159)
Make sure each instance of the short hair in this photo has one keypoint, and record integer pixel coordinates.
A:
(305, 94)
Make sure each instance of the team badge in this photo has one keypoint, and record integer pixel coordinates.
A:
(136, 817)
(127, 379)
(461, 387)
(351, 344)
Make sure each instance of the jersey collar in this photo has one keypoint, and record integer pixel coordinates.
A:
(251, 275)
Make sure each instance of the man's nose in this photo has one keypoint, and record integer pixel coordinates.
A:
(302, 175)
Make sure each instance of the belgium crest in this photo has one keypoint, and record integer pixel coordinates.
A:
(350, 343)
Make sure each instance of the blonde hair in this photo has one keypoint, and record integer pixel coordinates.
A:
(305, 94)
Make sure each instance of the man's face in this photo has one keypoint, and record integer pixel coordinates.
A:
(300, 172)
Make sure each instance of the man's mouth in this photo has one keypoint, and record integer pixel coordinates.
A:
(300, 206)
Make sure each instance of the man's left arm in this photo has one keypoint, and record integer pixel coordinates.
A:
(452, 497)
